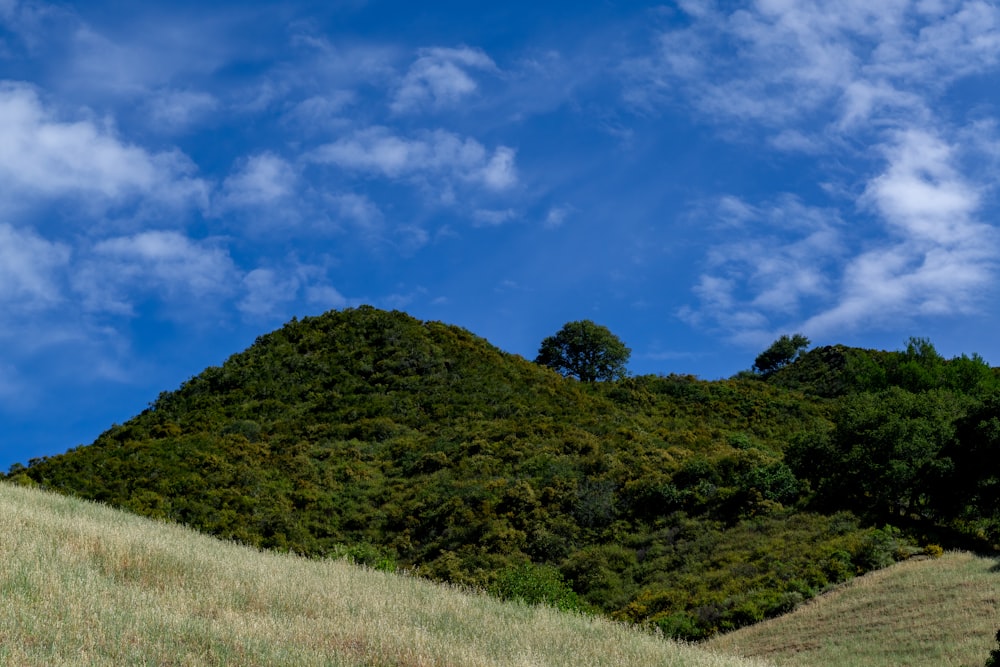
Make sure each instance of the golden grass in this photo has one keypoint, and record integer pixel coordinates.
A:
(936, 612)
(81, 584)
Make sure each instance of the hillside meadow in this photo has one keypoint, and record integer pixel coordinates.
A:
(934, 612)
(83, 584)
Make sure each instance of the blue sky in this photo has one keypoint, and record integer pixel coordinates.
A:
(701, 177)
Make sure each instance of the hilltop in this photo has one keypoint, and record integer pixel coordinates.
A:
(688, 505)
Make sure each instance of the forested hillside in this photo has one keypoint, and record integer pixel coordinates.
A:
(691, 505)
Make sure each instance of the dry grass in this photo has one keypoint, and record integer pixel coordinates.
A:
(926, 612)
(81, 584)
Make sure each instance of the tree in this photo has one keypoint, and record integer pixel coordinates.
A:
(781, 353)
(587, 351)
(886, 456)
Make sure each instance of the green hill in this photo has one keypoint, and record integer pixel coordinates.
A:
(692, 506)
(83, 584)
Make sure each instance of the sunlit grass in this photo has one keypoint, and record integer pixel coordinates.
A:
(82, 584)
(934, 612)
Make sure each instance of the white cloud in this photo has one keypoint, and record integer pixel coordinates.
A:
(493, 217)
(321, 112)
(32, 23)
(378, 150)
(177, 110)
(794, 141)
(266, 292)
(776, 263)
(921, 194)
(360, 211)
(31, 269)
(153, 51)
(260, 181)
(410, 238)
(556, 216)
(325, 297)
(440, 78)
(939, 259)
(855, 82)
(799, 57)
(122, 271)
(500, 172)
(43, 156)
(269, 292)
(935, 258)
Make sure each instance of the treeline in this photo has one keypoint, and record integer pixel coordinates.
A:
(914, 440)
(689, 505)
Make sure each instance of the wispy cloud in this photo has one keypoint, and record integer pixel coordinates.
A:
(556, 216)
(360, 211)
(270, 292)
(864, 81)
(120, 272)
(440, 77)
(851, 60)
(175, 111)
(938, 259)
(31, 269)
(259, 180)
(381, 151)
(267, 291)
(493, 217)
(151, 54)
(776, 264)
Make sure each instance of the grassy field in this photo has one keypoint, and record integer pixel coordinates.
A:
(82, 584)
(935, 612)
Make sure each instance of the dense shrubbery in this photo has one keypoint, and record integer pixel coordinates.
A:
(659, 499)
(535, 584)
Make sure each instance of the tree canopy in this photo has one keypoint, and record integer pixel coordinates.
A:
(781, 353)
(586, 351)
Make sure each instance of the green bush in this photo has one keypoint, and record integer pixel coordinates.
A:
(994, 659)
(881, 548)
(366, 555)
(680, 626)
(535, 584)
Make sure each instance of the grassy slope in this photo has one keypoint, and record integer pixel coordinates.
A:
(84, 584)
(921, 612)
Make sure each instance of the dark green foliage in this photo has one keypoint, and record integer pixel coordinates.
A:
(835, 371)
(366, 555)
(586, 351)
(883, 457)
(994, 659)
(664, 500)
(781, 353)
(535, 584)
(914, 439)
